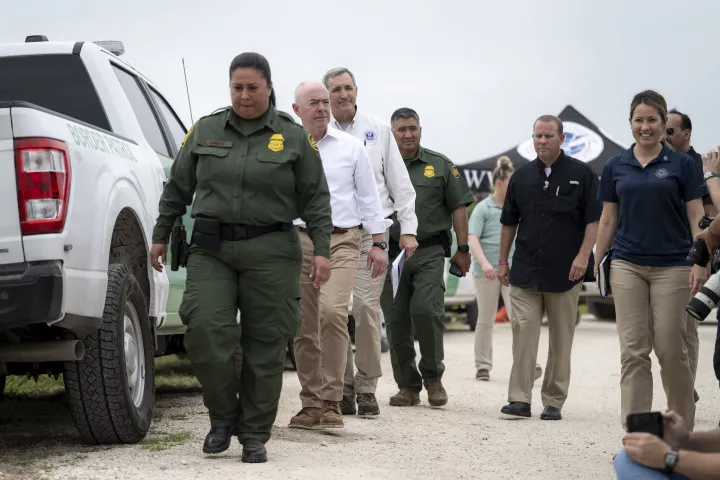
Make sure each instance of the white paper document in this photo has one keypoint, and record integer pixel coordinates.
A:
(396, 271)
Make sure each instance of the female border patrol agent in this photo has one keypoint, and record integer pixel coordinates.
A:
(650, 194)
(252, 170)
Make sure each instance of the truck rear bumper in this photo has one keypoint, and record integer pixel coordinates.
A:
(30, 293)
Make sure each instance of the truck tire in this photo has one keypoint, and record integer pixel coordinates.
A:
(112, 389)
(603, 311)
(471, 314)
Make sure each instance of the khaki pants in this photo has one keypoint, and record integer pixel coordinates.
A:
(664, 290)
(368, 326)
(487, 293)
(528, 307)
(322, 340)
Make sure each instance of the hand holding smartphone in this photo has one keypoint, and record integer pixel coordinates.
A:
(647, 422)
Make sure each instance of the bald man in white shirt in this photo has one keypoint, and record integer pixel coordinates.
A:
(322, 342)
(397, 195)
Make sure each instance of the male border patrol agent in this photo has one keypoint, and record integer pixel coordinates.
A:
(253, 170)
(442, 197)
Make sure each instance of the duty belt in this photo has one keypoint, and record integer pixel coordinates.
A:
(235, 231)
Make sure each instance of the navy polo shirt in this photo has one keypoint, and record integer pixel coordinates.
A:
(652, 226)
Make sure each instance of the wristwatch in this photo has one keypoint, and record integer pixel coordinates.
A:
(710, 175)
(463, 248)
(380, 245)
(671, 459)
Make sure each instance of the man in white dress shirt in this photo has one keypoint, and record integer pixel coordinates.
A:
(396, 195)
(322, 341)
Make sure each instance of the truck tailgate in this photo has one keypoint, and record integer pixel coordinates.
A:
(11, 248)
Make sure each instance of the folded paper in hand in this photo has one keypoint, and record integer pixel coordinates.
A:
(397, 266)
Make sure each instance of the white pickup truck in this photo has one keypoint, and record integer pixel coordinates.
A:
(83, 141)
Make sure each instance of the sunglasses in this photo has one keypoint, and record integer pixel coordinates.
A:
(670, 131)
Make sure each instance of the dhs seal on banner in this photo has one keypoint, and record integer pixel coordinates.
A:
(580, 142)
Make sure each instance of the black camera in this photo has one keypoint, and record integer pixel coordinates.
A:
(700, 306)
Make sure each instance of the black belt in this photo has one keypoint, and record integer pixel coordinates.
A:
(335, 230)
(394, 246)
(235, 231)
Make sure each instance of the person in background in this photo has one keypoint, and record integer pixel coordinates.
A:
(484, 240)
(442, 200)
(396, 195)
(678, 455)
(322, 340)
(551, 205)
(248, 170)
(678, 134)
(650, 195)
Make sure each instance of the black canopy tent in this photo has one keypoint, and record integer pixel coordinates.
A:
(583, 140)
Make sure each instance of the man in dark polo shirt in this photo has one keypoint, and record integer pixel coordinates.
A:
(678, 135)
(552, 205)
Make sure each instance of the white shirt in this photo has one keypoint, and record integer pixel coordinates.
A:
(391, 176)
(354, 197)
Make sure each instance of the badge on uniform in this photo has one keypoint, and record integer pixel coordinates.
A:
(455, 172)
(370, 136)
(546, 185)
(429, 171)
(277, 142)
(312, 142)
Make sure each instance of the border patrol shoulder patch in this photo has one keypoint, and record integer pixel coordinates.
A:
(312, 142)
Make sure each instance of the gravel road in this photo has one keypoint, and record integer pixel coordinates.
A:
(468, 438)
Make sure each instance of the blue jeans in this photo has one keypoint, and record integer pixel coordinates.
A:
(628, 469)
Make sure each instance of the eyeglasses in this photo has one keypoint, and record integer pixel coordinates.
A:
(670, 131)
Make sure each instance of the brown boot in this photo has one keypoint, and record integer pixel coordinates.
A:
(437, 396)
(405, 398)
(307, 418)
(332, 415)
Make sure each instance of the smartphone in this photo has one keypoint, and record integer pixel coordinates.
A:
(455, 270)
(648, 422)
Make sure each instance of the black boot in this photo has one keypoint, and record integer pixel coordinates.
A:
(218, 440)
(253, 451)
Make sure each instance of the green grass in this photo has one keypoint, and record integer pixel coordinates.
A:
(165, 441)
(173, 374)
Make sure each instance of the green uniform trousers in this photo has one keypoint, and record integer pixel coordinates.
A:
(420, 300)
(260, 277)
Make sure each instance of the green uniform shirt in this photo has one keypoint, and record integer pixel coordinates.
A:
(253, 172)
(439, 190)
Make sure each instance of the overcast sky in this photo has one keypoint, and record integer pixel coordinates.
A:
(478, 72)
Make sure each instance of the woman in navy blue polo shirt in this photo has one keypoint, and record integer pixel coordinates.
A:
(650, 194)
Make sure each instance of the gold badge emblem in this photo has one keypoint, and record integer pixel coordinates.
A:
(429, 171)
(313, 143)
(277, 142)
(455, 172)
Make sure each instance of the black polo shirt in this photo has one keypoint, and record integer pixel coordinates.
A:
(698, 161)
(551, 213)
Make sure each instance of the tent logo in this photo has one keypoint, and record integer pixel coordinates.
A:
(580, 142)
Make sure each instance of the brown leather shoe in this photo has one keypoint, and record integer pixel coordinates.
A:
(405, 398)
(308, 418)
(437, 396)
(332, 415)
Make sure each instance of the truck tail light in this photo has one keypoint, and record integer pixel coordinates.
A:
(42, 167)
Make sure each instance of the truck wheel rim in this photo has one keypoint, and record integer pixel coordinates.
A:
(134, 355)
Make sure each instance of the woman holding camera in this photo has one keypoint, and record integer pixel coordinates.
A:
(651, 195)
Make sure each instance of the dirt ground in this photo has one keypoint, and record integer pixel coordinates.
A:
(468, 438)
